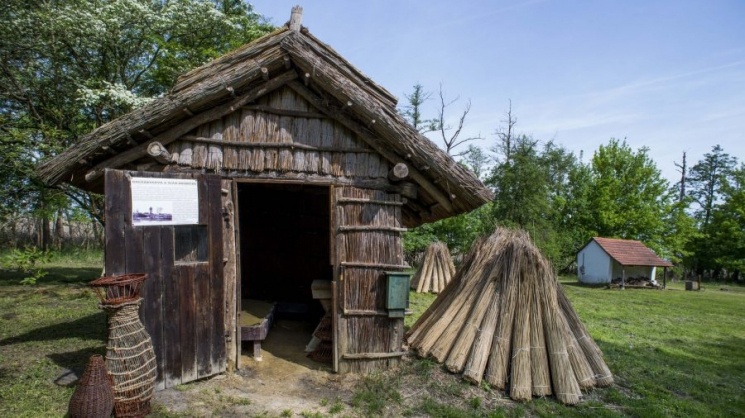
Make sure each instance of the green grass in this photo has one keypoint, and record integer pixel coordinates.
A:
(45, 329)
(418, 303)
(673, 353)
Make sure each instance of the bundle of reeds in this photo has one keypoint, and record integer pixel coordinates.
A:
(436, 271)
(505, 319)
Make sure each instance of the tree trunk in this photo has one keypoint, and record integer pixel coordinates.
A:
(59, 229)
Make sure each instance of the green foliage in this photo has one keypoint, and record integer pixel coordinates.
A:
(458, 232)
(706, 179)
(713, 188)
(727, 229)
(476, 160)
(413, 110)
(533, 192)
(28, 262)
(67, 67)
(630, 198)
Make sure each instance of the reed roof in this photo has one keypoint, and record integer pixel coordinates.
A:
(284, 57)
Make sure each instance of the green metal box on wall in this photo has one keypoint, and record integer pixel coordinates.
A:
(397, 295)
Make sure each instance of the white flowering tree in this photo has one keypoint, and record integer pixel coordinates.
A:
(68, 66)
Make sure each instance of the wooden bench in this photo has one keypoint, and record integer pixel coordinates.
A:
(256, 318)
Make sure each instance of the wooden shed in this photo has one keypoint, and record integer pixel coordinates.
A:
(271, 167)
(603, 259)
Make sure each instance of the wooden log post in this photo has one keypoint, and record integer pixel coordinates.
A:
(399, 172)
(159, 153)
(296, 18)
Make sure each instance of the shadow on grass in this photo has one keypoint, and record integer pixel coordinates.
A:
(91, 327)
(76, 360)
(55, 276)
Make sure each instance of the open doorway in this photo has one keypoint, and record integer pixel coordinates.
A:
(285, 255)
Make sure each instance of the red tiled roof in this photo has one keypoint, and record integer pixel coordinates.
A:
(630, 252)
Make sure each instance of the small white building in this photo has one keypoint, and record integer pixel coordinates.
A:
(603, 259)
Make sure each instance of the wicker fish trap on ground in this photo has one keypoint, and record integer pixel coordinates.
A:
(94, 394)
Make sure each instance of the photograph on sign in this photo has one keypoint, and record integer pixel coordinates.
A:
(159, 201)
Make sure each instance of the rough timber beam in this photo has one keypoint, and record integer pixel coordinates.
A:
(184, 127)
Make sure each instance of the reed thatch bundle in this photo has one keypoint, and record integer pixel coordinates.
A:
(436, 271)
(505, 319)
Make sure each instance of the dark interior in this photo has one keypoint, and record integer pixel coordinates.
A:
(284, 243)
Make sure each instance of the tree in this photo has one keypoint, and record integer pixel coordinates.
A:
(682, 183)
(706, 179)
(705, 182)
(727, 230)
(457, 232)
(531, 185)
(66, 67)
(413, 110)
(452, 140)
(413, 113)
(476, 160)
(629, 197)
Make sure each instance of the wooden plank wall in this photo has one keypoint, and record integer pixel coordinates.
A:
(183, 303)
(367, 244)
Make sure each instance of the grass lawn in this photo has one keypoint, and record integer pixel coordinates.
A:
(673, 353)
(45, 329)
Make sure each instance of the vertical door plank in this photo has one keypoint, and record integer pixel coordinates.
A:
(188, 320)
(203, 320)
(217, 279)
(118, 207)
(151, 310)
(171, 311)
(230, 274)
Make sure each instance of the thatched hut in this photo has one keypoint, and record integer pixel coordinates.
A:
(272, 167)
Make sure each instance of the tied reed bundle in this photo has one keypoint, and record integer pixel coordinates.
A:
(505, 319)
(437, 270)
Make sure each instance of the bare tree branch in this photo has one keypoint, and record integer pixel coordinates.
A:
(452, 141)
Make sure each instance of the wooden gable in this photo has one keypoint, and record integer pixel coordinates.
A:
(280, 135)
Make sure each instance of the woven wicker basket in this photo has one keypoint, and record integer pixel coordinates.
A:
(94, 395)
(323, 353)
(324, 331)
(118, 289)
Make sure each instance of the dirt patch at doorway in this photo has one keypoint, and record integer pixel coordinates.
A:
(284, 383)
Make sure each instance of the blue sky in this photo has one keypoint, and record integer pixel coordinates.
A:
(668, 75)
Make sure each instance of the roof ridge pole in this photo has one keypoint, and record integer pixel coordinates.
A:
(296, 18)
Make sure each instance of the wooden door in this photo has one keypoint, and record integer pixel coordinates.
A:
(183, 297)
(367, 228)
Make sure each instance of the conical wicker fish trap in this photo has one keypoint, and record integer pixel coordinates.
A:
(130, 360)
